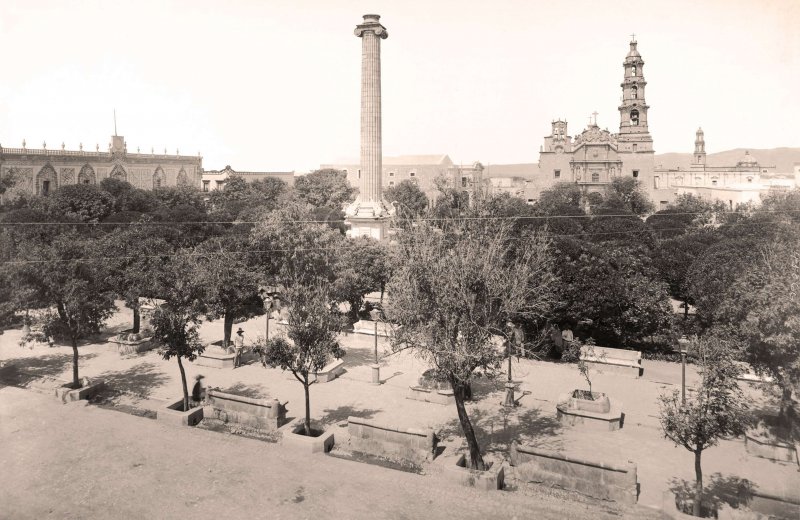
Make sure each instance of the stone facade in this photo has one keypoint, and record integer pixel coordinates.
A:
(215, 179)
(41, 171)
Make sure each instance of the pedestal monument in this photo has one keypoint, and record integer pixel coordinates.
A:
(368, 215)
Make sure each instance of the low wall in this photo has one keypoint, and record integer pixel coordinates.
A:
(597, 479)
(431, 395)
(780, 451)
(414, 444)
(264, 414)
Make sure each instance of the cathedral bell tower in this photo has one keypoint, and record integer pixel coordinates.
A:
(634, 136)
(700, 147)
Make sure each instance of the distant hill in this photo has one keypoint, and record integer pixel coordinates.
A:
(782, 158)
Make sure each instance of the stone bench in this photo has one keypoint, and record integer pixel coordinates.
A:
(598, 479)
(329, 372)
(263, 414)
(431, 395)
(613, 360)
(368, 327)
(414, 444)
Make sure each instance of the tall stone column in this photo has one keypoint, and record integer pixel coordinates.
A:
(369, 213)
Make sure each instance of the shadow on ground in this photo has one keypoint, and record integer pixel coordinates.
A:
(497, 429)
(731, 490)
(139, 380)
(22, 371)
(343, 412)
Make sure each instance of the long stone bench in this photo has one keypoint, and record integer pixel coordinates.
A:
(613, 360)
(414, 444)
(263, 414)
(598, 479)
(431, 395)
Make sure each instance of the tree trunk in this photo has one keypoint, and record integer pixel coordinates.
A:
(685, 310)
(786, 403)
(137, 320)
(307, 422)
(228, 327)
(698, 484)
(185, 389)
(75, 382)
(459, 392)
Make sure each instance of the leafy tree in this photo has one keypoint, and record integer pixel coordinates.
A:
(454, 287)
(673, 258)
(230, 284)
(687, 214)
(115, 187)
(180, 196)
(411, 201)
(175, 322)
(718, 409)
(619, 226)
(324, 188)
(314, 325)
(82, 202)
(627, 193)
(361, 268)
(451, 202)
(61, 276)
(563, 202)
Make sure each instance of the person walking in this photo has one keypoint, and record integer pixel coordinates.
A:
(238, 346)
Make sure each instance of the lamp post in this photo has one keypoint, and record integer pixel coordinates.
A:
(510, 402)
(375, 314)
(683, 342)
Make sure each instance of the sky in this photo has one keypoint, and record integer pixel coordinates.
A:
(275, 85)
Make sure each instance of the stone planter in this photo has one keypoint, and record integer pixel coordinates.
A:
(127, 346)
(68, 394)
(173, 414)
(584, 413)
(431, 395)
(599, 404)
(488, 480)
(294, 439)
(262, 414)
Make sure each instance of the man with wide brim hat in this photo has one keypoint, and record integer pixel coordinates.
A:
(238, 347)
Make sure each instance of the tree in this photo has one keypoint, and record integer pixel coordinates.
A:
(230, 284)
(82, 202)
(314, 325)
(180, 196)
(673, 257)
(62, 277)
(718, 409)
(361, 268)
(687, 214)
(411, 201)
(324, 188)
(175, 321)
(628, 194)
(454, 288)
(563, 202)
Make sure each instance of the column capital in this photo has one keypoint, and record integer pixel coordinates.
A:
(372, 23)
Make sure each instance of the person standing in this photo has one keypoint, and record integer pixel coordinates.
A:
(238, 346)
(199, 391)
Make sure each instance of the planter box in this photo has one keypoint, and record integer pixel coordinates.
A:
(368, 327)
(330, 371)
(416, 445)
(771, 449)
(600, 403)
(127, 347)
(571, 415)
(431, 395)
(68, 394)
(488, 480)
(263, 414)
(173, 414)
(598, 479)
(293, 439)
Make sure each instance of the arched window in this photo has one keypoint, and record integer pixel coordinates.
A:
(595, 177)
(119, 173)
(46, 180)
(634, 92)
(183, 179)
(633, 70)
(159, 178)
(86, 175)
(634, 117)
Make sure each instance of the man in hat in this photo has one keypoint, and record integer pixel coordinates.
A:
(238, 346)
(199, 391)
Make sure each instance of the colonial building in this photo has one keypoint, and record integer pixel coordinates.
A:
(216, 179)
(40, 171)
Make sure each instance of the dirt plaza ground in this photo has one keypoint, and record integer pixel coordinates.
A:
(43, 438)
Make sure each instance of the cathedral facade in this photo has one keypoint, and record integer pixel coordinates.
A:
(41, 171)
(593, 158)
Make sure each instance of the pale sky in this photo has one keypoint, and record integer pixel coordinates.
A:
(274, 85)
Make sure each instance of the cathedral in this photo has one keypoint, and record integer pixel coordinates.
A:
(596, 156)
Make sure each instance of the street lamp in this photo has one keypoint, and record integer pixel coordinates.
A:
(514, 334)
(683, 343)
(375, 314)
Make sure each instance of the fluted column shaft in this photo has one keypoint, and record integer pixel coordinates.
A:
(371, 182)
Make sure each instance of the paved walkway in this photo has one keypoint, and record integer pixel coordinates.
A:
(660, 464)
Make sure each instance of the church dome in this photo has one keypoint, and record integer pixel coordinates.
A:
(747, 160)
(633, 53)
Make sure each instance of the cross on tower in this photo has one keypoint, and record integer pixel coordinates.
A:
(633, 37)
(595, 118)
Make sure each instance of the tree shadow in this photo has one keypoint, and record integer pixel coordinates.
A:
(22, 371)
(251, 391)
(356, 357)
(731, 490)
(343, 412)
(138, 380)
(497, 429)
